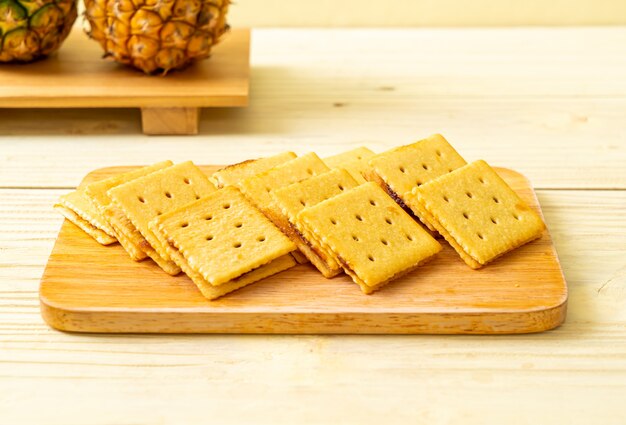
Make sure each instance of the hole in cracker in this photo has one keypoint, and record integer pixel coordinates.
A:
(208, 217)
(237, 245)
(370, 257)
(356, 238)
(358, 217)
(309, 171)
(359, 157)
(186, 180)
(141, 199)
(516, 217)
(445, 198)
(402, 170)
(466, 215)
(261, 239)
(425, 167)
(480, 179)
(438, 152)
(332, 220)
(384, 241)
(340, 186)
(226, 206)
(209, 238)
(168, 195)
(159, 213)
(184, 224)
(469, 195)
(302, 203)
(419, 182)
(197, 197)
(372, 203)
(238, 225)
(388, 220)
(268, 189)
(409, 237)
(450, 170)
(480, 235)
(496, 200)
(494, 221)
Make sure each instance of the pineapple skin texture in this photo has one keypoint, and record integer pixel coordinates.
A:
(31, 29)
(157, 36)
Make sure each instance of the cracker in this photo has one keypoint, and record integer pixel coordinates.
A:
(374, 239)
(145, 198)
(292, 199)
(233, 174)
(355, 161)
(97, 191)
(258, 188)
(477, 213)
(86, 216)
(127, 235)
(99, 235)
(222, 239)
(401, 169)
(97, 194)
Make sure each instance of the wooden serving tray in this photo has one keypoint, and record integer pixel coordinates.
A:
(78, 77)
(90, 288)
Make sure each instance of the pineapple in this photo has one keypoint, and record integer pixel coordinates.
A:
(156, 35)
(30, 29)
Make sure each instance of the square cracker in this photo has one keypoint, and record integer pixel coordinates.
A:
(477, 213)
(374, 239)
(294, 198)
(143, 199)
(233, 174)
(221, 238)
(401, 169)
(77, 208)
(97, 193)
(355, 161)
(258, 188)
(99, 235)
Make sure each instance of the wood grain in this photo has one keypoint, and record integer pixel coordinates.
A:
(328, 90)
(162, 121)
(78, 77)
(88, 288)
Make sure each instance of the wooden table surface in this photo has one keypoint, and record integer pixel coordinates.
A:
(550, 103)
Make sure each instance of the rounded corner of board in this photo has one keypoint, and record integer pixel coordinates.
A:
(54, 316)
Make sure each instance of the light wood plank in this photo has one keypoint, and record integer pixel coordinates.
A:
(575, 374)
(333, 90)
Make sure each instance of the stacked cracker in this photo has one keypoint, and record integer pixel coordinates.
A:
(356, 212)
(477, 213)
(177, 217)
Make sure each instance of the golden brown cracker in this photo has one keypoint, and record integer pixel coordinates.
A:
(401, 169)
(292, 199)
(355, 161)
(82, 207)
(99, 235)
(145, 198)
(371, 235)
(477, 213)
(258, 188)
(222, 236)
(233, 174)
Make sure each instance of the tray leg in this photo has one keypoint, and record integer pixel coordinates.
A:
(163, 121)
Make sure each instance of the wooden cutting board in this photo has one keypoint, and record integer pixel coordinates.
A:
(90, 288)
